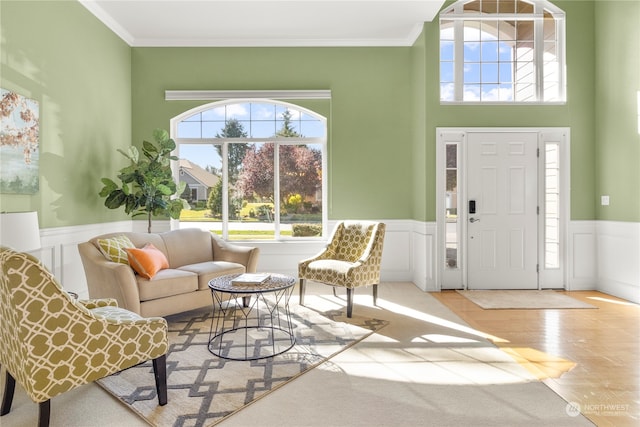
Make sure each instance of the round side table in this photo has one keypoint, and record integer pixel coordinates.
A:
(251, 321)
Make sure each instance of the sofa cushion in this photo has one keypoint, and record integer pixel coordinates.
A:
(166, 283)
(212, 269)
(147, 261)
(187, 246)
(114, 248)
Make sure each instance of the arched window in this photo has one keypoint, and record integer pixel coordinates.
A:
(502, 51)
(261, 162)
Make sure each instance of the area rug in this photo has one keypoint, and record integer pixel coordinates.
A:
(204, 389)
(523, 299)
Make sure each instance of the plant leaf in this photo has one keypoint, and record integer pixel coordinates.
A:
(134, 155)
(149, 147)
(165, 190)
(160, 135)
(115, 199)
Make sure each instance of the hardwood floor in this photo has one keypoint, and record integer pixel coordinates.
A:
(590, 357)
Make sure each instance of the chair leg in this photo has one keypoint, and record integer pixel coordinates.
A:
(375, 294)
(335, 294)
(302, 290)
(349, 302)
(45, 411)
(160, 373)
(9, 388)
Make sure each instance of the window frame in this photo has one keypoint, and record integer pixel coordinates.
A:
(456, 14)
(277, 141)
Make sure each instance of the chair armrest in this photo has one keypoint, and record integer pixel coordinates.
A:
(323, 254)
(90, 304)
(245, 255)
(108, 279)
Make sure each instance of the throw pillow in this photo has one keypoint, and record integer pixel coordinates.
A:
(114, 248)
(147, 261)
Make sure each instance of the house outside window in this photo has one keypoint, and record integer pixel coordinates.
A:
(268, 157)
(502, 51)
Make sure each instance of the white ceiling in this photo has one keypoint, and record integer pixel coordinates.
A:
(265, 22)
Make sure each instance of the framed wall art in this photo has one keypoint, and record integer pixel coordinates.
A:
(19, 143)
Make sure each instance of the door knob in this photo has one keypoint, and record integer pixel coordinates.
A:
(472, 220)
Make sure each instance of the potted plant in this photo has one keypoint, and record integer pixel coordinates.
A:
(147, 183)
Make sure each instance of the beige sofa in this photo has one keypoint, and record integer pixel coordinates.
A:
(195, 256)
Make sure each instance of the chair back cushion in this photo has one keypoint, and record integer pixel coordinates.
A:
(31, 339)
(350, 240)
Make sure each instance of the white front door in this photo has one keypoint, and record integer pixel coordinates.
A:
(501, 210)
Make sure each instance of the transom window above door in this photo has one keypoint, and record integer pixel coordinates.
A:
(502, 51)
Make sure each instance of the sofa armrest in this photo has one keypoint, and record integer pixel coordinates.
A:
(245, 255)
(108, 279)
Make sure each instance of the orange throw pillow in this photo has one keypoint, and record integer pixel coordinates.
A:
(147, 261)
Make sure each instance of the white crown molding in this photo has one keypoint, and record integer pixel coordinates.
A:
(107, 20)
(404, 42)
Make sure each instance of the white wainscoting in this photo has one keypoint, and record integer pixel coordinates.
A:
(397, 259)
(602, 255)
(618, 259)
(407, 256)
(582, 270)
(423, 255)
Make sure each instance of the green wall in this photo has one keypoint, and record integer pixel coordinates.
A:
(370, 145)
(97, 94)
(80, 73)
(618, 85)
(423, 183)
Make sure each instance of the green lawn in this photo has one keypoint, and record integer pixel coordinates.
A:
(193, 215)
(203, 216)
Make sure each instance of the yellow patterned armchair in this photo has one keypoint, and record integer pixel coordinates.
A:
(351, 259)
(50, 343)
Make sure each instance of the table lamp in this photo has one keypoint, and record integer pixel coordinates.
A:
(20, 231)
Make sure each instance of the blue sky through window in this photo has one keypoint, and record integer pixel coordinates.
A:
(488, 65)
(258, 119)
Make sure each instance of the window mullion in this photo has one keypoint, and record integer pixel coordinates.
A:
(458, 60)
(538, 49)
(225, 190)
(276, 189)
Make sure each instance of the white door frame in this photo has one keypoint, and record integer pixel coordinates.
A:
(556, 277)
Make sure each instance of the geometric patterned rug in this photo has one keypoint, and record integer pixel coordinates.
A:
(203, 389)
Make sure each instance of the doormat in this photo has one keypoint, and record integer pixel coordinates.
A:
(204, 389)
(523, 300)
